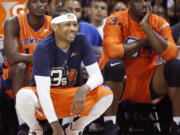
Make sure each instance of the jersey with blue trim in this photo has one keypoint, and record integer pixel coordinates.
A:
(62, 67)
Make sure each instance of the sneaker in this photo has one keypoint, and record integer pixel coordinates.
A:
(110, 128)
(70, 131)
(38, 132)
(23, 129)
(174, 129)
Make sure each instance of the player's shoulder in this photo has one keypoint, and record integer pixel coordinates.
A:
(12, 25)
(80, 40)
(158, 22)
(46, 43)
(120, 14)
(12, 20)
(120, 17)
(157, 19)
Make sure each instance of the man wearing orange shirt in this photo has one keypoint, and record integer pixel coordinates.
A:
(139, 45)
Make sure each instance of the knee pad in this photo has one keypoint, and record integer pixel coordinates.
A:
(26, 96)
(172, 73)
(114, 70)
(21, 66)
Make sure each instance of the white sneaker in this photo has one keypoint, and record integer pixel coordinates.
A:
(37, 132)
(70, 131)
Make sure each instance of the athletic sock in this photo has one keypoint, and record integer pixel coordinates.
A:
(110, 118)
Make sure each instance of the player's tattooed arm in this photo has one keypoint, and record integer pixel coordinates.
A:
(158, 43)
(79, 100)
(134, 47)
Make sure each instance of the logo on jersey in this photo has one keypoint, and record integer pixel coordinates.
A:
(74, 54)
(29, 41)
(145, 52)
(130, 40)
(59, 77)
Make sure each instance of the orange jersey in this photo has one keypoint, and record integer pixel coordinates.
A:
(121, 29)
(10, 8)
(29, 38)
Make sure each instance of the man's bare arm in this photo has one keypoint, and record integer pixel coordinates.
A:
(134, 47)
(158, 43)
(12, 53)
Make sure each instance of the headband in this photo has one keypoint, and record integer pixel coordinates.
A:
(64, 18)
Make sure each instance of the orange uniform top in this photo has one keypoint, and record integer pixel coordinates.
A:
(120, 28)
(29, 38)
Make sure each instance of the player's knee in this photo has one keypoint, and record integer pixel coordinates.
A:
(172, 73)
(24, 96)
(114, 70)
(101, 106)
(20, 67)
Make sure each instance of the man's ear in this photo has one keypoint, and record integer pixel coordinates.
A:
(54, 27)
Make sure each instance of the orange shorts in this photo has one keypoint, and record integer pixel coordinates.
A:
(137, 89)
(62, 100)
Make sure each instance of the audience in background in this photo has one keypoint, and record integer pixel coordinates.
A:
(99, 11)
(118, 7)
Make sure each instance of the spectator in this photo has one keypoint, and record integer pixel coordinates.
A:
(173, 10)
(85, 28)
(56, 64)
(52, 6)
(176, 33)
(99, 11)
(119, 6)
(159, 10)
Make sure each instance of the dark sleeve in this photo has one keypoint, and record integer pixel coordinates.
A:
(176, 31)
(41, 62)
(88, 56)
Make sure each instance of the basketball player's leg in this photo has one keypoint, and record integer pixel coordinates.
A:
(97, 110)
(166, 80)
(113, 74)
(26, 104)
(18, 76)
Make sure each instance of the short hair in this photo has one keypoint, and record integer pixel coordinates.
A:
(99, 1)
(64, 1)
(49, 1)
(60, 11)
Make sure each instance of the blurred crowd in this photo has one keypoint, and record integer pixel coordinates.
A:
(96, 12)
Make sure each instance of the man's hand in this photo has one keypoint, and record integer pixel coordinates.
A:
(79, 100)
(145, 19)
(57, 129)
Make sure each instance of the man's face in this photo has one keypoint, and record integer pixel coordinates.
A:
(53, 5)
(37, 7)
(66, 31)
(98, 10)
(139, 7)
(74, 7)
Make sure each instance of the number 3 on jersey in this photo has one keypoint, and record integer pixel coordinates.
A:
(57, 78)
